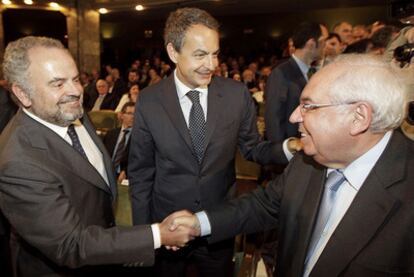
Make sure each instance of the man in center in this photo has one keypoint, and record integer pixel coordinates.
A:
(186, 131)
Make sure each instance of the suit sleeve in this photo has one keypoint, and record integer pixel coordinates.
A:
(38, 209)
(250, 213)
(250, 143)
(141, 169)
(275, 113)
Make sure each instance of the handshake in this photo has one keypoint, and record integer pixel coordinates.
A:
(179, 228)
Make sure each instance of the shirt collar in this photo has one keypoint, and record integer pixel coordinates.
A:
(59, 130)
(182, 89)
(302, 66)
(358, 170)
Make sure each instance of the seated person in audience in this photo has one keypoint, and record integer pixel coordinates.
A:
(133, 77)
(104, 100)
(117, 140)
(154, 77)
(131, 96)
(249, 79)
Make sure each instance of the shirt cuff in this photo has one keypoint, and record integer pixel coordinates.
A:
(156, 235)
(205, 227)
(288, 154)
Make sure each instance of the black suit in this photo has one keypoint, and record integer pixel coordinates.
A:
(164, 173)
(110, 141)
(108, 103)
(374, 238)
(283, 89)
(59, 206)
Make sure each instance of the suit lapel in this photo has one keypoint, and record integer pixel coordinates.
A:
(297, 73)
(62, 152)
(171, 104)
(213, 110)
(371, 208)
(106, 157)
(307, 216)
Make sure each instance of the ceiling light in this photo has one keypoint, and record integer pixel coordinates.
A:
(28, 2)
(54, 5)
(6, 2)
(103, 11)
(139, 7)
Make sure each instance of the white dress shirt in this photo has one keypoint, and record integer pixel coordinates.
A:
(93, 153)
(185, 102)
(304, 68)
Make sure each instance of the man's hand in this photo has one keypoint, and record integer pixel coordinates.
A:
(176, 230)
(294, 145)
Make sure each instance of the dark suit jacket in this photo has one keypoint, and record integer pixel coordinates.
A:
(283, 89)
(109, 102)
(59, 206)
(163, 170)
(110, 140)
(374, 238)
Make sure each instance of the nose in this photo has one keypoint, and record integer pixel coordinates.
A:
(211, 62)
(296, 116)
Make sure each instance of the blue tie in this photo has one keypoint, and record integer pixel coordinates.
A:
(75, 140)
(333, 182)
(197, 124)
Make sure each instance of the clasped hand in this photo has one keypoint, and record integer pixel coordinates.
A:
(178, 229)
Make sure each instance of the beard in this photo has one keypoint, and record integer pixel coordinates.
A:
(62, 115)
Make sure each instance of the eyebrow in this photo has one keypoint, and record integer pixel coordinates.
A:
(55, 80)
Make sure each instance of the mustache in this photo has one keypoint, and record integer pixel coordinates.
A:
(70, 98)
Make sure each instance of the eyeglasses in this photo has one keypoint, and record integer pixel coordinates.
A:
(304, 108)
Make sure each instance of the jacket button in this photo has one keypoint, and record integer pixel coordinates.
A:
(197, 202)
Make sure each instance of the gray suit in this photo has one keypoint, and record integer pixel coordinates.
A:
(59, 206)
(374, 238)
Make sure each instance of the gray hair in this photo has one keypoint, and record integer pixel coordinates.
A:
(16, 60)
(368, 78)
(180, 20)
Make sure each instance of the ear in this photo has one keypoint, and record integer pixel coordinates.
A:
(172, 53)
(310, 44)
(362, 118)
(23, 96)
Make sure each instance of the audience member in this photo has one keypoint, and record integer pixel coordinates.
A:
(104, 100)
(344, 30)
(117, 140)
(131, 96)
(287, 80)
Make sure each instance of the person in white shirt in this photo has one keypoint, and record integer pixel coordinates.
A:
(57, 184)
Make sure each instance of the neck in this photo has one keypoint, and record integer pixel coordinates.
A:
(302, 55)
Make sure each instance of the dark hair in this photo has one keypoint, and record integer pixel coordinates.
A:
(180, 20)
(361, 46)
(304, 32)
(126, 105)
(383, 36)
(334, 35)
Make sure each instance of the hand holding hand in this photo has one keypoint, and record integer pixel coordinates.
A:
(175, 234)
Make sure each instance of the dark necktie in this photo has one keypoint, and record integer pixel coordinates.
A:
(75, 141)
(120, 150)
(197, 124)
(333, 182)
(311, 71)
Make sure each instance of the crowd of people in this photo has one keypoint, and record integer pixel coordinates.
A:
(342, 203)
